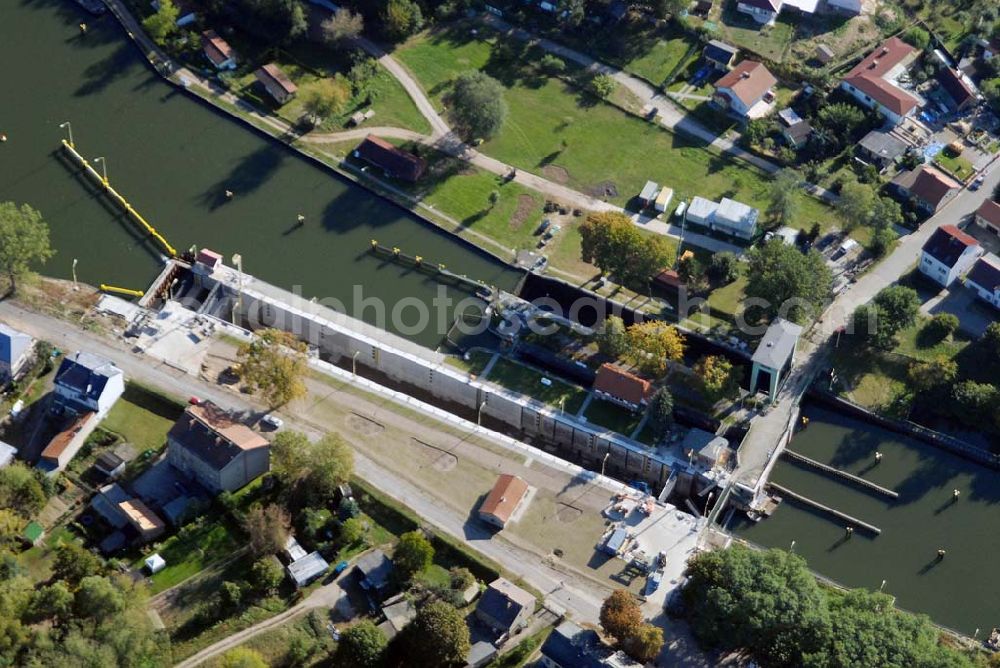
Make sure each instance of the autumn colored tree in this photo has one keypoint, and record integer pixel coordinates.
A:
(645, 644)
(621, 617)
(618, 248)
(652, 344)
(274, 363)
(716, 377)
(268, 528)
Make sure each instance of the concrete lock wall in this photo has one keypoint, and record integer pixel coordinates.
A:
(575, 441)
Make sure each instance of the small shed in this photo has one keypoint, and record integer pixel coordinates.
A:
(308, 568)
(824, 54)
(613, 545)
(663, 199)
(774, 355)
(33, 533)
(155, 563)
(649, 192)
(701, 211)
(110, 465)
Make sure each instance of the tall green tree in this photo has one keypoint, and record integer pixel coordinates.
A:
(783, 196)
(617, 247)
(401, 19)
(163, 23)
(855, 204)
(783, 281)
(661, 411)
(21, 491)
(438, 636)
(717, 378)
(268, 528)
(476, 105)
(279, 21)
(645, 644)
(413, 554)
(99, 598)
(611, 338)
(899, 304)
(274, 363)
(24, 241)
(73, 563)
(653, 344)
(361, 646)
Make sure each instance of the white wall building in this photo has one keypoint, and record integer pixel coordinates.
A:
(948, 254)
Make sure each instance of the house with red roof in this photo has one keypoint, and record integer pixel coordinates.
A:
(618, 386)
(218, 51)
(276, 83)
(948, 254)
(987, 216)
(395, 162)
(874, 82)
(746, 90)
(928, 188)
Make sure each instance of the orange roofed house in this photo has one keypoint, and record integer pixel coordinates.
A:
(395, 162)
(874, 81)
(746, 90)
(927, 187)
(618, 386)
(504, 499)
(218, 51)
(208, 445)
(276, 83)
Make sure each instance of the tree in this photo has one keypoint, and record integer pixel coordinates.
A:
(268, 529)
(899, 304)
(784, 281)
(325, 98)
(243, 657)
(401, 19)
(11, 526)
(552, 65)
(767, 603)
(783, 196)
(494, 198)
(926, 376)
(603, 86)
(353, 531)
(274, 363)
(869, 326)
(461, 578)
(24, 241)
(361, 646)
(665, 8)
(266, 575)
(99, 598)
(573, 13)
(331, 464)
(163, 23)
(717, 378)
(855, 204)
(917, 36)
(723, 268)
(975, 403)
(343, 27)
(991, 339)
(290, 457)
(21, 490)
(645, 644)
(940, 327)
(841, 119)
(882, 239)
(413, 554)
(652, 344)
(476, 105)
(611, 338)
(231, 595)
(617, 247)
(886, 212)
(271, 20)
(621, 617)
(661, 411)
(73, 563)
(438, 636)
(54, 601)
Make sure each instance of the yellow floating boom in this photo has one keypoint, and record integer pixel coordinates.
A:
(121, 200)
(121, 291)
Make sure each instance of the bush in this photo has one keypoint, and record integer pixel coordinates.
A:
(940, 327)
(552, 64)
(603, 85)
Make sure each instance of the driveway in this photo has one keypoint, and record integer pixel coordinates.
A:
(973, 315)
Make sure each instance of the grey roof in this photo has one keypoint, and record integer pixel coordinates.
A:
(778, 343)
(86, 373)
(399, 611)
(704, 443)
(503, 601)
(106, 501)
(375, 568)
(719, 51)
(737, 215)
(308, 568)
(480, 653)
(569, 646)
(883, 144)
(649, 190)
(986, 273)
(108, 462)
(13, 344)
(7, 452)
(701, 209)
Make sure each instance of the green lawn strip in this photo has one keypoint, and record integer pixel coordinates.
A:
(143, 417)
(612, 416)
(913, 344)
(726, 300)
(960, 168)
(38, 559)
(525, 380)
(478, 359)
(569, 137)
(273, 645)
(191, 550)
(524, 650)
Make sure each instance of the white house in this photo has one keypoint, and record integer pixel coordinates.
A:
(764, 12)
(746, 90)
(948, 254)
(15, 351)
(984, 279)
(728, 216)
(87, 383)
(874, 81)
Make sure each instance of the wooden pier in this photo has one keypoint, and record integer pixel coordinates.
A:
(850, 521)
(861, 482)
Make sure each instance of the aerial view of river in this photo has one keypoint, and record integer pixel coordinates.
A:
(961, 590)
(174, 157)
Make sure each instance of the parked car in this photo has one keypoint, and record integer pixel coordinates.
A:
(273, 421)
(977, 183)
(194, 401)
(546, 222)
(552, 231)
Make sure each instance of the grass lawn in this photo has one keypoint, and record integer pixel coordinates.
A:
(611, 416)
(524, 650)
(913, 344)
(726, 300)
(189, 552)
(38, 559)
(956, 164)
(525, 380)
(571, 138)
(478, 359)
(869, 378)
(274, 646)
(142, 418)
(769, 41)
(661, 55)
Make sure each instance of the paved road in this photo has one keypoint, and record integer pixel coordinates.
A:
(765, 434)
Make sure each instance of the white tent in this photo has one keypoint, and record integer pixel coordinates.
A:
(155, 563)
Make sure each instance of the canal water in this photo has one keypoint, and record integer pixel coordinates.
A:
(174, 157)
(961, 591)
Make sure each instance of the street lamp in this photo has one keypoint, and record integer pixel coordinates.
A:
(104, 169)
(479, 411)
(792, 548)
(75, 286)
(69, 128)
(605, 460)
(354, 362)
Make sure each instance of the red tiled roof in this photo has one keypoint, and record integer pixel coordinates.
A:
(956, 87)
(397, 162)
(621, 384)
(748, 81)
(947, 244)
(867, 76)
(216, 48)
(273, 75)
(932, 186)
(61, 441)
(990, 212)
(504, 497)
(668, 278)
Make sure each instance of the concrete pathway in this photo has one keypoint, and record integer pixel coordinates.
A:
(489, 366)
(586, 404)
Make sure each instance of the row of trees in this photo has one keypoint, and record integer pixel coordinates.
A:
(769, 605)
(621, 618)
(650, 345)
(618, 248)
